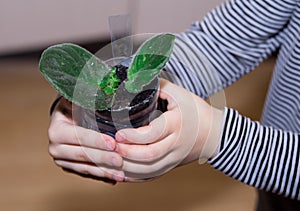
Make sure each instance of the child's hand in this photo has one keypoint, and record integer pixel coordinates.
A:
(175, 138)
(82, 151)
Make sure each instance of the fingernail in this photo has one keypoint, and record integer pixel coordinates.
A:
(119, 177)
(121, 137)
(110, 145)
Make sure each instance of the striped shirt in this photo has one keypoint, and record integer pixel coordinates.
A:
(232, 40)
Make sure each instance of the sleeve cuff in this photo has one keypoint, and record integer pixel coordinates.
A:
(230, 117)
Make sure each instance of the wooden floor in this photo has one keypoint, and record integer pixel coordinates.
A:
(31, 182)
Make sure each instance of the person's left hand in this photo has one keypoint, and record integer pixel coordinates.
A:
(175, 138)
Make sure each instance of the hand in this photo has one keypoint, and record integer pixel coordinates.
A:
(82, 151)
(189, 129)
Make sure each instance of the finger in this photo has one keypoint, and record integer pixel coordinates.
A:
(148, 152)
(84, 154)
(103, 179)
(158, 129)
(66, 133)
(144, 170)
(87, 169)
(138, 180)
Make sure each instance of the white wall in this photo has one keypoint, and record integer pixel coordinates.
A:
(28, 24)
(31, 23)
(169, 15)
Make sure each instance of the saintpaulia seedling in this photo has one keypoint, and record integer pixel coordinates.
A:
(68, 66)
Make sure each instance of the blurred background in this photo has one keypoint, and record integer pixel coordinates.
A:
(29, 179)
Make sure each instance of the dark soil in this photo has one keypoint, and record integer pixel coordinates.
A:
(121, 72)
(123, 96)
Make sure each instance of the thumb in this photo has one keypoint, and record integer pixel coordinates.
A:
(153, 132)
(157, 129)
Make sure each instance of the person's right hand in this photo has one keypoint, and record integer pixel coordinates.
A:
(82, 151)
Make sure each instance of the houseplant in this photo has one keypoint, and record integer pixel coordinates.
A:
(111, 97)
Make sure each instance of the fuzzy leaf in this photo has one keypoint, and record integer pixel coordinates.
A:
(150, 58)
(76, 74)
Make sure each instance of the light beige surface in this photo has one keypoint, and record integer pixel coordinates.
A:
(31, 182)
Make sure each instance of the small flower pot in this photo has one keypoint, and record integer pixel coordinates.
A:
(87, 81)
(129, 110)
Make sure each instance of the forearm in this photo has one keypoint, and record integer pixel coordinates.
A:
(230, 41)
(260, 156)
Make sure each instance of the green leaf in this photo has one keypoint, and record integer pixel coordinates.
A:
(110, 83)
(76, 74)
(149, 60)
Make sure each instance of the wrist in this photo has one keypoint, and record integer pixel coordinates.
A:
(210, 142)
(208, 138)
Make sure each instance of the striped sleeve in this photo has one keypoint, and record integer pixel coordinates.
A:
(231, 41)
(260, 156)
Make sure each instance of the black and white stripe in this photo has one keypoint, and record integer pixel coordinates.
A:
(235, 38)
(260, 156)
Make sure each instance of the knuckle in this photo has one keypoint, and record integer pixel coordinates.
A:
(56, 131)
(52, 134)
(81, 155)
(52, 149)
